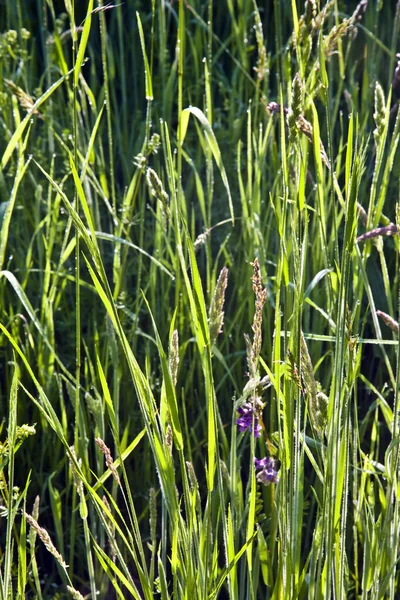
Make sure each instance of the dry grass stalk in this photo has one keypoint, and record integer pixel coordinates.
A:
(216, 314)
(44, 536)
(109, 459)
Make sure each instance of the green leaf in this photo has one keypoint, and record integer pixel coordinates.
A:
(212, 143)
(83, 43)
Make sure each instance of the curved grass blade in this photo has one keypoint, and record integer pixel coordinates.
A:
(22, 126)
(212, 143)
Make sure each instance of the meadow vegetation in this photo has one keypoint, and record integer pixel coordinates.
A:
(199, 299)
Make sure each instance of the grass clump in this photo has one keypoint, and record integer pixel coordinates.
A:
(148, 151)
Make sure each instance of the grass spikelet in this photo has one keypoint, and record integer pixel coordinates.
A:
(109, 459)
(74, 593)
(157, 190)
(380, 113)
(262, 67)
(359, 12)
(307, 25)
(25, 100)
(310, 12)
(258, 385)
(35, 516)
(46, 539)
(169, 439)
(201, 240)
(296, 107)
(378, 232)
(389, 321)
(344, 28)
(216, 313)
(77, 481)
(302, 125)
(261, 297)
(174, 356)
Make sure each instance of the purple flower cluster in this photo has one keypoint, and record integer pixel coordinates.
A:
(267, 472)
(248, 418)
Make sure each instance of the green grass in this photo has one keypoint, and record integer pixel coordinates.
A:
(170, 170)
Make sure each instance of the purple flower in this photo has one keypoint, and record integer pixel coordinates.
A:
(248, 418)
(267, 471)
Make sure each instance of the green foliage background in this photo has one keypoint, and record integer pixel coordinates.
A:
(96, 272)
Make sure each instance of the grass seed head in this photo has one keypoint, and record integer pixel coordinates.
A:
(25, 100)
(74, 593)
(77, 480)
(46, 539)
(174, 356)
(296, 107)
(109, 460)
(389, 321)
(261, 297)
(216, 314)
(153, 514)
(157, 190)
(379, 114)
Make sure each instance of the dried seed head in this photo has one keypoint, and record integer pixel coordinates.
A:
(201, 240)
(74, 593)
(44, 536)
(109, 460)
(306, 128)
(174, 356)
(216, 313)
(25, 100)
(390, 322)
(344, 28)
(261, 297)
(169, 439)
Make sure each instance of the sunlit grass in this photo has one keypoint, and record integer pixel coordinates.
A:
(198, 226)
